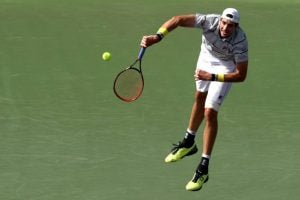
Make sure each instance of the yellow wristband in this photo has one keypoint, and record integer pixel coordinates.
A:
(220, 77)
(163, 31)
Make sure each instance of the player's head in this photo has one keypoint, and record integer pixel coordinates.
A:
(229, 20)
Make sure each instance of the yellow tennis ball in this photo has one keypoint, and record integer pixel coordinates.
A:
(106, 56)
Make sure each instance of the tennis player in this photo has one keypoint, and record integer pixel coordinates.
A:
(223, 59)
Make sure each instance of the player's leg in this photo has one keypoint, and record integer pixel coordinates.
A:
(209, 136)
(188, 146)
(197, 113)
(215, 97)
(210, 130)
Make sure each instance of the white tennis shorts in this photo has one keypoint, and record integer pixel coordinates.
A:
(217, 91)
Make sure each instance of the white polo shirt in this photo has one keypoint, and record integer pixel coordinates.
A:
(234, 48)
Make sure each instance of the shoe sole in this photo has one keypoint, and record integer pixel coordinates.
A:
(201, 185)
(191, 152)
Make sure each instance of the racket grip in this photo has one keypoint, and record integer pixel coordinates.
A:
(141, 53)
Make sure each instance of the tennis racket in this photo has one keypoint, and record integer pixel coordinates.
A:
(129, 83)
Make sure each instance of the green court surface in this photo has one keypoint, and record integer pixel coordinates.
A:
(64, 135)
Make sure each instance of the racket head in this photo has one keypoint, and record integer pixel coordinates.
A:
(129, 84)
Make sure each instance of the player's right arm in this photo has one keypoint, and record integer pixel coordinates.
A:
(181, 20)
(167, 27)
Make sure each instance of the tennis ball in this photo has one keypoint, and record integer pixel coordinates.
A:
(106, 56)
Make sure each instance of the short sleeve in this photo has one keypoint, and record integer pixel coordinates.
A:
(206, 22)
(241, 51)
(200, 19)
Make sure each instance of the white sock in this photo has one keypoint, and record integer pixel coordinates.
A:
(205, 156)
(190, 131)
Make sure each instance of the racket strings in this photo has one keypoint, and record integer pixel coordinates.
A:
(129, 85)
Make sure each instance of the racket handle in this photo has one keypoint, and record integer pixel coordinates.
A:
(141, 53)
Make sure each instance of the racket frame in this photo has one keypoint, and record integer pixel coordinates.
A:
(132, 67)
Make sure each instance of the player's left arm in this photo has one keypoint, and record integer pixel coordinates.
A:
(239, 75)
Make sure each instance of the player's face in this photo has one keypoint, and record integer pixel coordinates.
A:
(226, 28)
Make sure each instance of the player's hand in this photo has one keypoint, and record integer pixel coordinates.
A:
(149, 40)
(202, 75)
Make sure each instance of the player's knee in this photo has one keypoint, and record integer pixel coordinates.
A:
(210, 114)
